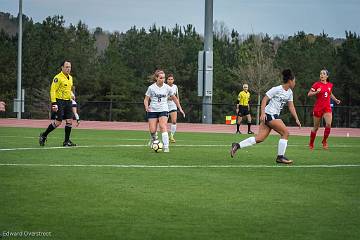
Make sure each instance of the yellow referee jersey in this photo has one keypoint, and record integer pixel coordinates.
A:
(244, 98)
(61, 87)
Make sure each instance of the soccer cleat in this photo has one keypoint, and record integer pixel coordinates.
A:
(172, 139)
(234, 148)
(69, 144)
(150, 143)
(42, 140)
(311, 146)
(151, 140)
(166, 150)
(250, 132)
(325, 145)
(238, 132)
(283, 159)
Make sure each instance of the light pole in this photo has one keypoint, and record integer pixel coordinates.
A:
(19, 101)
(205, 65)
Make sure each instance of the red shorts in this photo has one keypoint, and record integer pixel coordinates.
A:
(319, 112)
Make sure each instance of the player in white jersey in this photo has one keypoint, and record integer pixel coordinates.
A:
(172, 106)
(158, 110)
(269, 118)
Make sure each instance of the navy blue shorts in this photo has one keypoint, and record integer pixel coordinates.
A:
(64, 110)
(157, 114)
(270, 117)
(243, 110)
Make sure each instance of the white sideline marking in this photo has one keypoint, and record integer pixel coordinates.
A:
(178, 166)
(145, 145)
(106, 146)
(90, 146)
(82, 138)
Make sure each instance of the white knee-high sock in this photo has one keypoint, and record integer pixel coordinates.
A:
(173, 129)
(165, 139)
(282, 147)
(247, 142)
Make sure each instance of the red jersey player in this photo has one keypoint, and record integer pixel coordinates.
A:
(323, 91)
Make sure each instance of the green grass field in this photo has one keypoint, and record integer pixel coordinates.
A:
(114, 187)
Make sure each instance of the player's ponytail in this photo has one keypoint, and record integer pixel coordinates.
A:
(287, 75)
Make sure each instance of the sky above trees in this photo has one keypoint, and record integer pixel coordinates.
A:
(275, 17)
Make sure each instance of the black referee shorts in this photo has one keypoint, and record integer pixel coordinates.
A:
(64, 110)
(243, 111)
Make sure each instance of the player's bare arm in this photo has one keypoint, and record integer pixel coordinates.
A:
(293, 112)
(176, 101)
(146, 103)
(313, 92)
(335, 99)
(263, 105)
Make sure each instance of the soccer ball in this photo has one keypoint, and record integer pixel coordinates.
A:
(157, 146)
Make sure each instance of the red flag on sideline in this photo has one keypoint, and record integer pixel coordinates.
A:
(230, 120)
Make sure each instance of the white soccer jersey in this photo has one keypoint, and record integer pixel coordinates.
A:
(278, 98)
(158, 97)
(171, 103)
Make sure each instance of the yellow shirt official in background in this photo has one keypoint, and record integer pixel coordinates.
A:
(243, 108)
(61, 87)
(244, 98)
(61, 105)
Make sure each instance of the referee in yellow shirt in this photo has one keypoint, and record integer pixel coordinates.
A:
(61, 105)
(243, 108)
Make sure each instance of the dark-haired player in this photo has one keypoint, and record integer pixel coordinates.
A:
(271, 106)
(322, 109)
(172, 106)
(60, 94)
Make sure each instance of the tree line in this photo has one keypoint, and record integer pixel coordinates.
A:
(112, 70)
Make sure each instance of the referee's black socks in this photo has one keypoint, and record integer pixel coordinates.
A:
(68, 128)
(50, 128)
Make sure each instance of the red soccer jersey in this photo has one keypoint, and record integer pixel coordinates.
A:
(323, 97)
